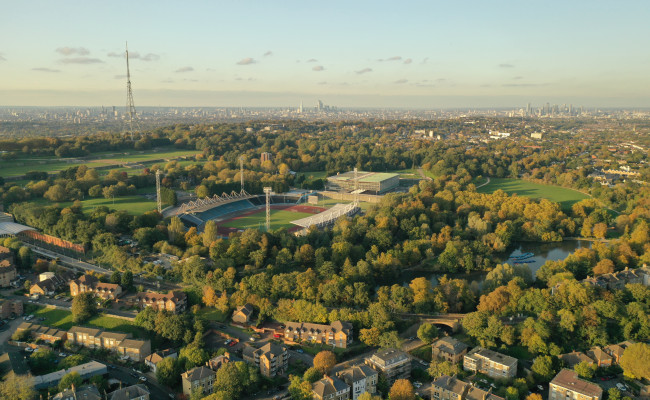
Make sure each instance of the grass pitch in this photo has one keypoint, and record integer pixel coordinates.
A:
(566, 197)
(279, 219)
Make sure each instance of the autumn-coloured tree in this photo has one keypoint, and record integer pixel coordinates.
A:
(605, 266)
(600, 230)
(636, 361)
(209, 296)
(324, 361)
(402, 389)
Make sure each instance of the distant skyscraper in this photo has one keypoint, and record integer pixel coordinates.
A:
(320, 105)
(300, 109)
(528, 109)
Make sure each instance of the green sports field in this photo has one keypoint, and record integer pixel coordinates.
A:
(62, 319)
(566, 197)
(279, 219)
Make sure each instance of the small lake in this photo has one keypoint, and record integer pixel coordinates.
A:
(541, 252)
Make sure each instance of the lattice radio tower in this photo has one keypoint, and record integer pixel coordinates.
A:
(241, 172)
(130, 106)
(267, 191)
(159, 200)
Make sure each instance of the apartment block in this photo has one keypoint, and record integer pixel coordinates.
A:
(198, 379)
(449, 349)
(331, 388)
(361, 379)
(450, 388)
(567, 386)
(44, 333)
(490, 363)
(394, 364)
(121, 343)
(174, 301)
(272, 359)
(337, 334)
(88, 283)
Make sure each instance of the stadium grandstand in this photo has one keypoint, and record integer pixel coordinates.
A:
(328, 217)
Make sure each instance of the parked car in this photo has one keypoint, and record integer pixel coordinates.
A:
(62, 355)
(621, 387)
(300, 351)
(227, 342)
(233, 343)
(540, 388)
(143, 379)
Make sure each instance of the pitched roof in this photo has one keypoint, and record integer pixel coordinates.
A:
(87, 331)
(451, 384)
(450, 345)
(329, 385)
(599, 355)
(493, 356)
(575, 357)
(174, 296)
(128, 393)
(86, 392)
(133, 343)
(568, 379)
(390, 356)
(272, 349)
(356, 373)
(197, 373)
(246, 309)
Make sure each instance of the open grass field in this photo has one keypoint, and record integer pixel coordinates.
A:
(566, 197)
(314, 174)
(23, 165)
(135, 205)
(62, 319)
(279, 219)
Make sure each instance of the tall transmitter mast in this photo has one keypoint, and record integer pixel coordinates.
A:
(130, 107)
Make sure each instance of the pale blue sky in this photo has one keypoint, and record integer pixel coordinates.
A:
(347, 53)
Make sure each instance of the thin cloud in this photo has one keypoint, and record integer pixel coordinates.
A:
(400, 81)
(506, 66)
(134, 55)
(246, 61)
(318, 68)
(81, 60)
(408, 61)
(43, 69)
(517, 78)
(268, 53)
(184, 69)
(322, 83)
(69, 51)
(523, 84)
(363, 71)
(394, 58)
(312, 60)
(2, 57)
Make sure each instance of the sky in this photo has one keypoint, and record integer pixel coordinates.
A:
(353, 53)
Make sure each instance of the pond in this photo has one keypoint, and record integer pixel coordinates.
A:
(535, 255)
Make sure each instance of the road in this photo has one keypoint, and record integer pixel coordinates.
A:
(125, 375)
(483, 184)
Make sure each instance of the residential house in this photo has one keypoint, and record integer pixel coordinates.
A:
(574, 358)
(134, 349)
(133, 392)
(601, 358)
(7, 273)
(50, 285)
(618, 280)
(198, 379)
(175, 301)
(450, 388)
(567, 386)
(88, 283)
(331, 388)
(86, 337)
(392, 363)
(86, 392)
(361, 379)
(6, 254)
(449, 349)
(154, 358)
(337, 334)
(615, 351)
(44, 333)
(490, 363)
(272, 359)
(10, 307)
(242, 315)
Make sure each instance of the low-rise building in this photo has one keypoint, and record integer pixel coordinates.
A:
(121, 343)
(242, 314)
(198, 379)
(615, 351)
(10, 308)
(272, 359)
(331, 388)
(392, 363)
(361, 379)
(618, 280)
(153, 359)
(8, 273)
(133, 392)
(490, 363)
(86, 392)
(50, 285)
(574, 358)
(337, 334)
(449, 349)
(44, 333)
(175, 301)
(88, 283)
(85, 371)
(6, 254)
(450, 388)
(567, 386)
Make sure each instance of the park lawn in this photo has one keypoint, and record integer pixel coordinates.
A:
(12, 167)
(212, 314)
(408, 173)
(136, 205)
(423, 352)
(279, 219)
(62, 319)
(565, 197)
(314, 174)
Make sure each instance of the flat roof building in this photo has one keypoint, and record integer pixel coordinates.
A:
(376, 182)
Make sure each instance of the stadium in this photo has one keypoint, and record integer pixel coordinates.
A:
(235, 212)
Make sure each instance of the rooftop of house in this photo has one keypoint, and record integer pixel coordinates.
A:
(492, 356)
(568, 379)
(198, 373)
(329, 385)
(450, 345)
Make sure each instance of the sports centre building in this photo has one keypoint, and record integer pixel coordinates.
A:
(373, 182)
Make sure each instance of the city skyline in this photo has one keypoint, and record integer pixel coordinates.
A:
(364, 54)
